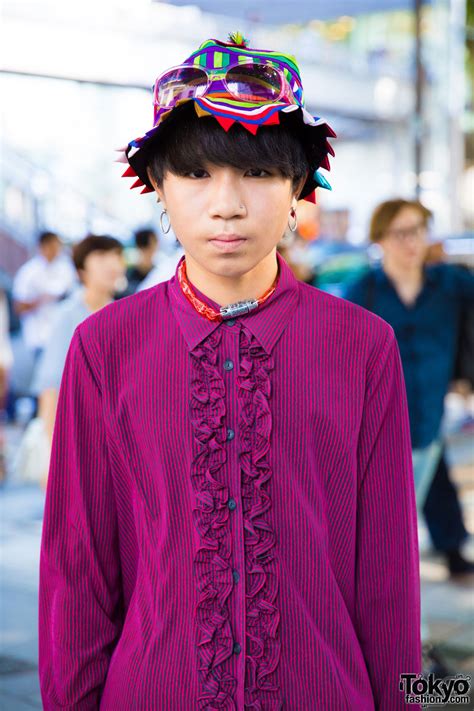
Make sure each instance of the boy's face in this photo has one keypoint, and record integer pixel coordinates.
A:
(103, 270)
(228, 219)
(51, 249)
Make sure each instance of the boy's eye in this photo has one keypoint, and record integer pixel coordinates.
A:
(197, 173)
(258, 172)
(201, 173)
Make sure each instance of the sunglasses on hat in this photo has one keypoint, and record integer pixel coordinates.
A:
(243, 81)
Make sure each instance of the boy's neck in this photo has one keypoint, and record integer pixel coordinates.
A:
(96, 299)
(228, 290)
(145, 261)
(403, 274)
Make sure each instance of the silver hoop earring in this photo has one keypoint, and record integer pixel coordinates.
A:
(295, 223)
(165, 231)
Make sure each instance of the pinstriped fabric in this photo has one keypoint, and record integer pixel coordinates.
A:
(230, 518)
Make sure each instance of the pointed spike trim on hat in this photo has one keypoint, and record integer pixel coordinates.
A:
(200, 111)
(311, 197)
(226, 123)
(321, 180)
(325, 163)
(330, 132)
(330, 149)
(307, 117)
(129, 173)
(121, 159)
(251, 127)
(273, 119)
(137, 184)
(146, 189)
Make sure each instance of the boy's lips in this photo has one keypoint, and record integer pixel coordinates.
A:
(228, 237)
(227, 242)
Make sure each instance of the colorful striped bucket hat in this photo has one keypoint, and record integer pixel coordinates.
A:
(235, 84)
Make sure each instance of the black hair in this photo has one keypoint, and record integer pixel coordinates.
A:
(143, 238)
(187, 142)
(45, 237)
(94, 243)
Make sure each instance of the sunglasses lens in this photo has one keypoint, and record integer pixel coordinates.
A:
(181, 83)
(254, 82)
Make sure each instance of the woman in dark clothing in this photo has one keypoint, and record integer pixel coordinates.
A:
(423, 304)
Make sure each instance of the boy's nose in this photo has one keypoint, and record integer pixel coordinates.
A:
(226, 200)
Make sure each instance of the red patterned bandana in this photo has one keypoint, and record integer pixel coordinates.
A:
(232, 310)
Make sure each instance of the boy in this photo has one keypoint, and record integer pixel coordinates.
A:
(100, 266)
(230, 519)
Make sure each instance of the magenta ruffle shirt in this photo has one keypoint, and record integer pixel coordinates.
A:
(230, 516)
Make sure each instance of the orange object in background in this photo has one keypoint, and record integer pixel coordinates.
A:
(308, 221)
(435, 253)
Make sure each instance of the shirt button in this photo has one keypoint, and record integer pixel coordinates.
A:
(232, 504)
(230, 434)
(230, 321)
(237, 648)
(236, 576)
(228, 365)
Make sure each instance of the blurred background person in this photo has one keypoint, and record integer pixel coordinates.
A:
(424, 300)
(100, 266)
(164, 268)
(424, 303)
(38, 285)
(6, 360)
(147, 245)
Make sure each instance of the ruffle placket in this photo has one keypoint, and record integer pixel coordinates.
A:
(212, 561)
(213, 558)
(262, 691)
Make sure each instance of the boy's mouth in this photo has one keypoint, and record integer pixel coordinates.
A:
(227, 242)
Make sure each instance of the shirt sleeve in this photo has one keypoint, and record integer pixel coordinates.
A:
(23, 288)
(387, 569)
(80, 595)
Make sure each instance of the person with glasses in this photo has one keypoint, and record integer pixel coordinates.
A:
(423, 303)
(230, 517)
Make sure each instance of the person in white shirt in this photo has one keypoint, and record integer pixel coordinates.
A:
(37, 287)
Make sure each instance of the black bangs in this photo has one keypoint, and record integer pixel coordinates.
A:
(188, 142)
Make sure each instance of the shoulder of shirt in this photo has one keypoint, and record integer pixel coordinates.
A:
(28, 267)
(68, 306)
(439, 270)
(347, 316)
(447, 276)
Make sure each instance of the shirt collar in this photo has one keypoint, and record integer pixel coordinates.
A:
(267, 322)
